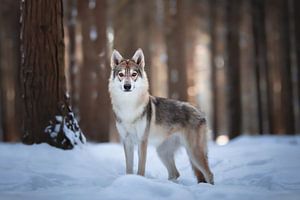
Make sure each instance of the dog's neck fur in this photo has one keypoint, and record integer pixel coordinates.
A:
(130, 106)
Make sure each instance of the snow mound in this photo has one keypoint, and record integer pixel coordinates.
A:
(262, 167)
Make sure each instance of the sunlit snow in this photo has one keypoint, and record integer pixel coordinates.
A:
(246, 168)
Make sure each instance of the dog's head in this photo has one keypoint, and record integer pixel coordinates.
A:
(128, 74)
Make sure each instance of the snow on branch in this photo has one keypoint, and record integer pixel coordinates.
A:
(64, 131)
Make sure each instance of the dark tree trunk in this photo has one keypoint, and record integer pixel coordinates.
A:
(277, 24)
(219, 64)
(212, 9)
(47, 115)
(71, 17)
(296, 25)
(126, 27)
(9, 69)
(1, 110)
(94, 97)
(175, 43)
(261, 67)
(146, 10)
(233, 69)
(247, 71)
(285, 70)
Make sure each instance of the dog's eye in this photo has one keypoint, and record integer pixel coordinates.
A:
(134, 74)
(121, 75)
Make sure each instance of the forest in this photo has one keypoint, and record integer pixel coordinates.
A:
(237, 60)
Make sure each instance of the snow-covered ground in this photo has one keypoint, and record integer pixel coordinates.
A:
(247, 168)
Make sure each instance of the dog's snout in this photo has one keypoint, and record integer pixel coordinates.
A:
(127, 87)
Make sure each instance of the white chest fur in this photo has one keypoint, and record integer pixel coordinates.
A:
(132, 131)
(129, 108)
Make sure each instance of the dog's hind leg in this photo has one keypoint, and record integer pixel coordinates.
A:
(196, 148)
(166, 152)
(199, 175)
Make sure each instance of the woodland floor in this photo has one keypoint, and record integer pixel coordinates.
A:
(247, 168)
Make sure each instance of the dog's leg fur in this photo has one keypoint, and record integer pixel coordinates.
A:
(142, 151)
(129, 153)
(196, 149)
(166, 152)
(199, 175)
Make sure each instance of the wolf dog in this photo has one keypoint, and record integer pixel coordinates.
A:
(170, 123)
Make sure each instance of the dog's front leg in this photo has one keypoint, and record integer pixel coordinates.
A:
(142, 150)
(128, 149)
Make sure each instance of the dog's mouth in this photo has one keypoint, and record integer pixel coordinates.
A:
(127, 90)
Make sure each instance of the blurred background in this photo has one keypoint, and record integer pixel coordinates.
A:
(237, 60)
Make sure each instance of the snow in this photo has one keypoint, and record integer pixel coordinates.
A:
(246, 168)
(93, 33)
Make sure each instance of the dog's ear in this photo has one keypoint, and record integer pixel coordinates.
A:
(115, 58)
(138, 58)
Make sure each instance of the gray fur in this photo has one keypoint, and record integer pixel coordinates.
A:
(124, 64)
(183, 114)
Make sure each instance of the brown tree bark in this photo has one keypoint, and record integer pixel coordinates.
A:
(286, 70)
(279, 62)
(233, 69)
(126, 27)
(72, 62)
(213, 51)
(47, 115)
(263, 85)
(219, 62)
(133, 23)
(1, 110)
(296, 16)
(94, 97)
(175, 44)
(248, 89)
(9, 69)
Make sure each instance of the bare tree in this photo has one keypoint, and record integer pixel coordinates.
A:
(233, 69)
(286, 70)
(212, 13)
(261, 67)
(278, 49)
(125, 25)
(94, 73)
(9, 69)
(72, 65)
(175, 42)
(294, 7)
(47, 114)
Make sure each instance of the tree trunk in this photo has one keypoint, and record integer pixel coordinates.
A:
(247, 72)
(126, 27)
(279, 62)
(296, 25)
(175, 42)
(9, 69)
(263, 86)
(285, 70)
(94, 97)
(233, 69)
(47, 115)
(1, 109)
(219, 62)
(73, 68)
(213, 52)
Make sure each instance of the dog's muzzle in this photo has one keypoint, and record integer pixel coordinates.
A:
(127, 87)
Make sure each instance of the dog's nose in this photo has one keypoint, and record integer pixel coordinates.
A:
(127, 87)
